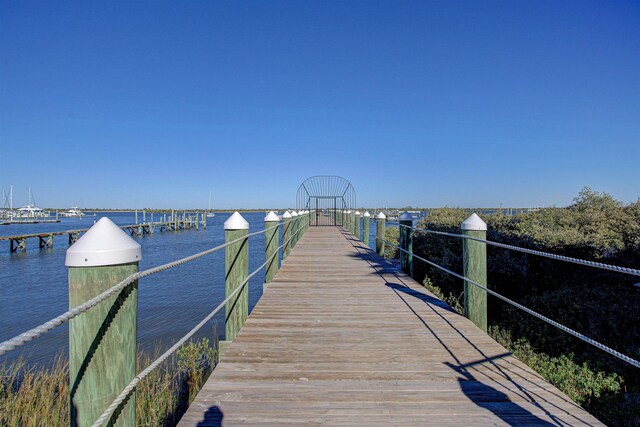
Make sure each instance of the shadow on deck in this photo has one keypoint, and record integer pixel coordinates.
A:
(341, 337)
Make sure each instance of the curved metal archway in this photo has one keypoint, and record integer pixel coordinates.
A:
(327, 196)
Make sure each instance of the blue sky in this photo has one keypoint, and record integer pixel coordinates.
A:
(154, 104)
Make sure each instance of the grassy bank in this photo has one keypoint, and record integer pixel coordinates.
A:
(600, 304)
(30, 395)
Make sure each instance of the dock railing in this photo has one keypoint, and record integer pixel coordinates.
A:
(103, 284)
(474, 243)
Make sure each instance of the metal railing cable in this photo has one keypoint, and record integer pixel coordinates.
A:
(560, 326)
(45, 327)
(594, 264)
(124, 394)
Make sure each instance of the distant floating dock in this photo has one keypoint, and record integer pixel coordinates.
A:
(18, 243)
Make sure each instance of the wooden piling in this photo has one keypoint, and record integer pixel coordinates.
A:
(380, 231)
(474, 256)
(271, 244)
(102, 340)
(286, 234)
(294, 228)
(236, 271)
(406, 242)
(366, 228)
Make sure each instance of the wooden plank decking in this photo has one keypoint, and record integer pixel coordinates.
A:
(339, 338)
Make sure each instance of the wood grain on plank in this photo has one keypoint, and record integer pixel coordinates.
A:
(342, 338)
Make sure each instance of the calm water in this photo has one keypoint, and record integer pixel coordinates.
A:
(33, 285)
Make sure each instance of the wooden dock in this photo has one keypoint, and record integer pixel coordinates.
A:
(340, 338)
(18, 243)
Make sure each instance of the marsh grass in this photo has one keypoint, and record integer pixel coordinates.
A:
(36, 396)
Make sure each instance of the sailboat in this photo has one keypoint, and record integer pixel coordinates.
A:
(31, 210)
(209, 213)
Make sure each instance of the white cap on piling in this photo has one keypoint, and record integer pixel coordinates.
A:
(286, 214)
(406, 216)
(474, 222)
(272, 216)
(294, 213)
(381, 215)
(103, 244)
(367, 214)
(358, 213)
(349, 211)
(236, 222)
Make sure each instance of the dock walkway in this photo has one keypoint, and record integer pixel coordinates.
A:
(340, 338)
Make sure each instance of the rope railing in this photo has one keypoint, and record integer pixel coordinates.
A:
(594, 264)
(122, 397)
(45, 327)
(564, 328)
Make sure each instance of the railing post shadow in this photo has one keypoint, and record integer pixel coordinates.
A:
(236, 263)
(406, 243)
(474, 256)
(271, 245)
(366, 228)
(380, 230)
(102, 340)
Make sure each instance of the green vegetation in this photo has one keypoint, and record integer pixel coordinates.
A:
(603, 305)
(30, 395)
(391, 235)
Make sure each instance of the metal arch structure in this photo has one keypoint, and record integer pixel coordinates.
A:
(326, 197)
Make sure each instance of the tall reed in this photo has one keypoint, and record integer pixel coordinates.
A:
(37, 396)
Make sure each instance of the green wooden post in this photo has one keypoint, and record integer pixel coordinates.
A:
(271, 245)
(381, 218)
(366, 227)
(236, 267)
(475, 268)
(286, 234)
(136, 216)
(294, 229)
(102, 340)
(406, 242)
(380, 230)
(348, 220)
(356, 224)
(354, 220)
(144, 216)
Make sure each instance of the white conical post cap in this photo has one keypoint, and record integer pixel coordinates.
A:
(103, 244)
(406, 216)
(349, 211)
(236, 222)
(358, 213)
(474, 222)
(294, 213)
(367, 214)
(381, 216)
(271, 216)
(286, 214)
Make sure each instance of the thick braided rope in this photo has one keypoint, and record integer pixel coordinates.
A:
(42, 329)
(124, 394)
(576, 334)
(617, 269)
